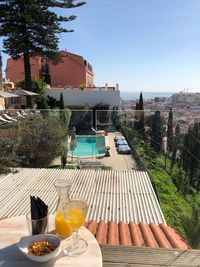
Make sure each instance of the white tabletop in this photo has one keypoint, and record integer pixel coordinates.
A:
(12, 229)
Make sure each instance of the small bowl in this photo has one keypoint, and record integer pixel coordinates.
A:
(25, 242)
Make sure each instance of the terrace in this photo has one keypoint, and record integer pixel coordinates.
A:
(124, 213)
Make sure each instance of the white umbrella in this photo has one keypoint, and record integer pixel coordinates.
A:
(73, 140)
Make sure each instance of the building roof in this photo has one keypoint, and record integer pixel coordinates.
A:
(122, 206)
(139, 235)
(111, 195)
(7, 95)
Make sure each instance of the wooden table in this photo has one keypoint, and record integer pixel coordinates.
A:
(12, 229)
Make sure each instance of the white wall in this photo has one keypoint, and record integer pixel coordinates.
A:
(79, 97)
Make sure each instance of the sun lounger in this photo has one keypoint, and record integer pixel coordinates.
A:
(23, 113)
(9, 118)
(121, 142)
(4, 120)
(82, 163)
(20, 115)
(124, 149)
(119, 137)
(101, 132)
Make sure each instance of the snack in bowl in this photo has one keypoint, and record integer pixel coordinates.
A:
(40, 248)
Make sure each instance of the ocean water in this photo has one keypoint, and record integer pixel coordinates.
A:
(146, 95)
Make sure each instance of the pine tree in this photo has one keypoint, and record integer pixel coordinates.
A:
(139, 115)
(141, 120)
(191, 225)
(170, 135)
(136, 116)
(185, 153)
(176, 146)
(61, 103)
(156, 133)
(31, 28)
(62, 109)
(191, 152)
(43, 106)
(141, 102)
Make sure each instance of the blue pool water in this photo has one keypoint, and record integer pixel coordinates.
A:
(88, 146)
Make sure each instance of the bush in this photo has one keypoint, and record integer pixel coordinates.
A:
(42, 139)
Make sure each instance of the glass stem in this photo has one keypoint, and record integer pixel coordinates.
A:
(75, 238)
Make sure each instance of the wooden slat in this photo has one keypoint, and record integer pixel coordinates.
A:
(134, 256)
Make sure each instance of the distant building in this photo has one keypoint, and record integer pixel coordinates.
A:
(90, 96)
(73, 71)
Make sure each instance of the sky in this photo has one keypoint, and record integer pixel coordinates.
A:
(144, 45)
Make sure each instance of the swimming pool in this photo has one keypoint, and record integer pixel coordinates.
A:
(88, 146)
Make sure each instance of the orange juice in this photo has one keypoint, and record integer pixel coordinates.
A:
(76, 218)
(62, 225)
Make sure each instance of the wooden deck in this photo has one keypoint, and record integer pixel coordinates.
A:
(120, 256)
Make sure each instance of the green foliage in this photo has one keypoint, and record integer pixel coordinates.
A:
(64, 112)
(5, 87)
(139, 116)
(52, 102)
(82, 86)
(191, 153)
(100, 113)
(8, 157)
(43, 106)
(61, 102)
(191, 225)
(176, 197)
(60, 167)
(141, 104)
(35, 142)
(43, 139)
(38, 86)
(115, 117)
(78, 107)
(63, 161)
(32, 28)
(170, 136)
(156, 132)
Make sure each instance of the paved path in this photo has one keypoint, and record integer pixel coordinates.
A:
(115, 160)
(118, 161)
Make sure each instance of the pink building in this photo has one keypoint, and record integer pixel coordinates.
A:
(72, 71)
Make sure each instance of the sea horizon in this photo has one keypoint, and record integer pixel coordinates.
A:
(146, 95)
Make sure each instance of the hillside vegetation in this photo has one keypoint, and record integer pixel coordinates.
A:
(178, 208)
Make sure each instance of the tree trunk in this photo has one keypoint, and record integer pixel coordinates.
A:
(27, 71)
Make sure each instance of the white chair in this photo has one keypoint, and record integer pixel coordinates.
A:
(23, 113)
(4, 120)
(20, 115)
(9, 118)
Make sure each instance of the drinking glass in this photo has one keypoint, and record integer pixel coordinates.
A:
(37, 226)
(75, 215)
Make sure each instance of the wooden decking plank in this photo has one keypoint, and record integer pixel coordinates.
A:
(135, 256)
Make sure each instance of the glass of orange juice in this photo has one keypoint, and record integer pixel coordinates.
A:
(62, 226)
(75, 214)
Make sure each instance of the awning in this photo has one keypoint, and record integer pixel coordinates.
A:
(21, 92)
(7, 95)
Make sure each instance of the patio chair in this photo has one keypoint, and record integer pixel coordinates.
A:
(9, 117)
(88, 163)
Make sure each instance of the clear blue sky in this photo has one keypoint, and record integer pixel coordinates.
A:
(148, 45)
